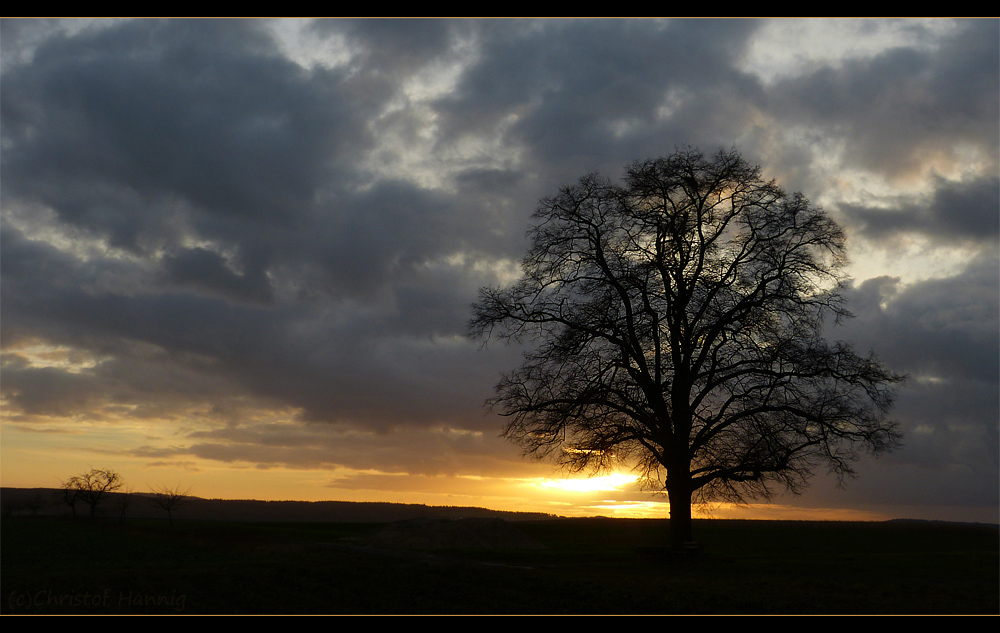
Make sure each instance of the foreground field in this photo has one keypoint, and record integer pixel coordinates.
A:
(588, 566)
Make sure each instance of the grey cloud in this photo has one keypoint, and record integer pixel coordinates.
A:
(209, 271)
(898, 108)
(394, 45)
(368, 366)
(572, 81)
(153, 133)
(944, 334)
(46, 391)
(943, 327)
(197, 118)
(955, 212)
(442, 452)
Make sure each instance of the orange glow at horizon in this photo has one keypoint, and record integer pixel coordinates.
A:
(603, 483)
(615, 495)
(42, 456)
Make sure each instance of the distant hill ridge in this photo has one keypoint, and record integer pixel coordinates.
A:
(46, 502)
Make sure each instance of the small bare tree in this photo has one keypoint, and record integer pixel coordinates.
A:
(69, 495)
(10, 507)
(169, 499)
(123, 501)
(91, 487)
(35, 502)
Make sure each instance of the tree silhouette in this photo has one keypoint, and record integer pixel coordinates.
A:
(68, 494)
(123, 502)
(91, 487)
(674, 323)
(169, 499)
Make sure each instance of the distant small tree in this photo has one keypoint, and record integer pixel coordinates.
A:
(91, 487)
(123, 501)
(169, 499)
(35, 502)
(10, 507)
(69, 495)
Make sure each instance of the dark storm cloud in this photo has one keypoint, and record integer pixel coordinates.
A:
(347, 362)
(946, 327)
(944, 334)
(101, 125)
(346, 371)
(149, 134)
(385, 232)
(207, 270)
(589, 93)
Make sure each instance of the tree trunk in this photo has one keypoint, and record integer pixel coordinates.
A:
(679, 494)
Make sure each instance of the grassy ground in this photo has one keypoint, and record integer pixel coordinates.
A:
(53, 566)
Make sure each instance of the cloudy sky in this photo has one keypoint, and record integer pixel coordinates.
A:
(239, 255)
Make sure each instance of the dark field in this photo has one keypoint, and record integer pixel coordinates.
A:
(588, 566)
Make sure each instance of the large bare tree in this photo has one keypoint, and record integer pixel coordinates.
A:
(674, 322)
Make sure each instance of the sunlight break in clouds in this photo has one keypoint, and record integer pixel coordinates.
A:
(603, 483)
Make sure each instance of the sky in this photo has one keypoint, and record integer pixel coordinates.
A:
(239, 255)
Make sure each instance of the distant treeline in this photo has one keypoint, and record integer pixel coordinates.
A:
(46, 502)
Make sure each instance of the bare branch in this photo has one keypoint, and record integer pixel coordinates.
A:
(91, 488)
(169, 499)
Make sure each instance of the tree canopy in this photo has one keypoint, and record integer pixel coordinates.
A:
(169, 499)
(91, 487)
(674, 322)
